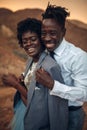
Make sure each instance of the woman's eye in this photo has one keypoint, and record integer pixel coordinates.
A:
(33, 39)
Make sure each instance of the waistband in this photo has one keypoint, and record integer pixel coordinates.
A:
(74, 108)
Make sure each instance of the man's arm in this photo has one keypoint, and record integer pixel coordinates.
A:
(73, 93)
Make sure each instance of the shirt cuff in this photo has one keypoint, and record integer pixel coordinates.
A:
(59, 89)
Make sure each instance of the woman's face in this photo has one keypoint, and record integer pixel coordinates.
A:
(31, 44)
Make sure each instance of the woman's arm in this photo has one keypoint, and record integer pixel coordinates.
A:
(14, 82)
(24, 100)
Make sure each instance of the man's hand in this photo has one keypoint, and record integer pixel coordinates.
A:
(44, 78)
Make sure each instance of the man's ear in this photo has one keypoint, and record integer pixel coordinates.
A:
(64, 31)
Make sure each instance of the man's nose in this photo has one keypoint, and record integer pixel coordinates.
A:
(47, 37)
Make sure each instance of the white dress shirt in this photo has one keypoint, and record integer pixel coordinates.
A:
(73, 63)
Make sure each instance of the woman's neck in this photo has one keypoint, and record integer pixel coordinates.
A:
(36, 58)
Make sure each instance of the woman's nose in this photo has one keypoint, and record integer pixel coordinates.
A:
(28, 42)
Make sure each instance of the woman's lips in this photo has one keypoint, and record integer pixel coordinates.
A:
(31, 49)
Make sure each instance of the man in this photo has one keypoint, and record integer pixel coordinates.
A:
(73, 64)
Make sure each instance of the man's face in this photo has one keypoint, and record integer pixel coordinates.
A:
(52, 34)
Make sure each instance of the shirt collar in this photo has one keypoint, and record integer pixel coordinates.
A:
(60, 49)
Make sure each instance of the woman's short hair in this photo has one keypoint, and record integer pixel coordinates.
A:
(29, 24)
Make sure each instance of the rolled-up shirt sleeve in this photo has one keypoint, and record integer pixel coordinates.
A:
(77, 90)
(69, 92)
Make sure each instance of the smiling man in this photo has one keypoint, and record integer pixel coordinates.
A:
(72, 61)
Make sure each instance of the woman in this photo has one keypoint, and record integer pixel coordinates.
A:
(35, 108)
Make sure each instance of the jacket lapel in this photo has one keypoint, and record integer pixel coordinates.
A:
(42, 57)
(33, 81)
(29, 62)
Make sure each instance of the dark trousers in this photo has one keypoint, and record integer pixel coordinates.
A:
(76, 119)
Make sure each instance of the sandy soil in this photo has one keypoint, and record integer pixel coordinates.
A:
(6, 111)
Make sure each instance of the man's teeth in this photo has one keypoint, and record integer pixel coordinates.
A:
(30, 49)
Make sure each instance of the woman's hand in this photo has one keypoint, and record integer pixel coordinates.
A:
(10, 80)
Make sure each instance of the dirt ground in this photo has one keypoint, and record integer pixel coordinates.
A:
(6, 111)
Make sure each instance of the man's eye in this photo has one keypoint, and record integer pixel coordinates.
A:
(43, 33)
(53, 33)
(50, 33)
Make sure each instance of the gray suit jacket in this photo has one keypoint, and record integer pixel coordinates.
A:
(44, 111)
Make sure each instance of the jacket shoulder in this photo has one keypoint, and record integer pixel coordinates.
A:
(49, 63)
